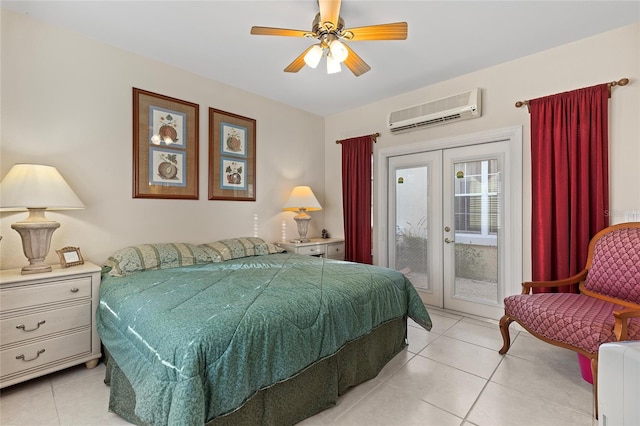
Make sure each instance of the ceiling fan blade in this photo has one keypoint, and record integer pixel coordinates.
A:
(329, 11)
(394, 31)
(355, 63)
(298, 63)
(280, 32)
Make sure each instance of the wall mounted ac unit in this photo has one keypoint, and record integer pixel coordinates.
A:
(440, 111)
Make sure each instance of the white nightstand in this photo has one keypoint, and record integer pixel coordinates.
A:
(47, 321)
(331, 248)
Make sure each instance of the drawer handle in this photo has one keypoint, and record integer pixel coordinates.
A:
(41, 351)
(74, 290)
(23, 327)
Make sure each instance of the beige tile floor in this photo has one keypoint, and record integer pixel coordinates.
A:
(452, 375)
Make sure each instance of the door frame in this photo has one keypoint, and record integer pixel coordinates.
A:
(513, 208)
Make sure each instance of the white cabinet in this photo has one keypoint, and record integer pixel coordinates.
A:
(331, 248)
(47, 321)
(619, 383)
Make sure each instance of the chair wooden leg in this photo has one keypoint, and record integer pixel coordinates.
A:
(594, 374)
(505, 321)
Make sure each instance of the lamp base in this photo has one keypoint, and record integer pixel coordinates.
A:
(302, 219)
(36, 268)
(36, 240)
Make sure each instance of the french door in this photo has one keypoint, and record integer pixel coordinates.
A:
(446, 225)
(415, 202)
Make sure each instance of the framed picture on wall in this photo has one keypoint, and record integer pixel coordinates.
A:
(232, 156)
(165, 147)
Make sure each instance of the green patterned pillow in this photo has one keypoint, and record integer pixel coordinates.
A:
(145, 257)
(234, 248)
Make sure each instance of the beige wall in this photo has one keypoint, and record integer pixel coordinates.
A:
(603, 58)
(67, 102)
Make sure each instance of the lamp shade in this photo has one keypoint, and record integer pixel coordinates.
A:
(313, 56)
(338, 51)
(36, 186)
(333, 65)
(302, 198)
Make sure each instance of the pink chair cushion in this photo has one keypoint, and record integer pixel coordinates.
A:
(615, 268)
(575, 319)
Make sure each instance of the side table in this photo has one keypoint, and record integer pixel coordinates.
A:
(331, 248)
(47, 321)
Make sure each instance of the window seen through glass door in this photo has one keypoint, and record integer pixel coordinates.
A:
(477, 222)
(477, 197)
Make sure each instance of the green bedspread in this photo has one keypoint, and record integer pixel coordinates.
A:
(196, 342)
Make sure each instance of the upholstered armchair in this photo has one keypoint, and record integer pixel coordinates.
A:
(607, 308)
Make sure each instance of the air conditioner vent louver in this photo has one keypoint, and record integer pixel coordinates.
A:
(441, 111)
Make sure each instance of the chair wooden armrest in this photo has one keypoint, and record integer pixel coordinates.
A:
(580, 276)
(620, 327)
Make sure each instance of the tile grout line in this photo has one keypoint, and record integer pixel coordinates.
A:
(382, 382)
(413, 355)
(488, 380)
(55, 401)
(466, 417)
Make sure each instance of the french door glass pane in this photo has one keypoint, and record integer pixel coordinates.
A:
(411, 224)
(477, 202)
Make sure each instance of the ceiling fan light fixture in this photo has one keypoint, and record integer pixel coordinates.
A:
(333, 65)
(313, 56)
(329, 29)
(338, 51)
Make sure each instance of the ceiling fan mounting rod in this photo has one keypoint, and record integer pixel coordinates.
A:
(326, 27)
(324, 42)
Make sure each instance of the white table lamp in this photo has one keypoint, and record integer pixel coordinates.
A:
(36, 188)
(302, 201)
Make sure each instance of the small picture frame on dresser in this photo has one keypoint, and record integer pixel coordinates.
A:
(70, 256)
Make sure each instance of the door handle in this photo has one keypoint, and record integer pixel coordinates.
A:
(448, 241)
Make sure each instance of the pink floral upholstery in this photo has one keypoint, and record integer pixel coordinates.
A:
(577, 320)
(615, 268)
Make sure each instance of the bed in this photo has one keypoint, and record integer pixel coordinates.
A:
(239, 332)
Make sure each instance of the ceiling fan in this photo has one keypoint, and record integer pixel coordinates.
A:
(328, 28)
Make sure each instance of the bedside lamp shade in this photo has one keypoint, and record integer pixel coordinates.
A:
(302, 200)
(36, 188)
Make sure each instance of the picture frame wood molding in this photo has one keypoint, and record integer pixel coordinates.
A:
(232, 156)
(70, 256)
(165, 146)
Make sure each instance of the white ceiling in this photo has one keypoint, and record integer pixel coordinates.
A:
(446, 39)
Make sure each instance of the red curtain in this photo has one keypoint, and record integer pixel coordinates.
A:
(356, 198)
(570, 184)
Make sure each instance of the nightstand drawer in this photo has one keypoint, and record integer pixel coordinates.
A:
(38, 354)
(25, 327)
(335, 251)
(40, 294)
(311, 250)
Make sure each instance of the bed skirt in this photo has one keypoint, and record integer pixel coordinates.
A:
(303, 395)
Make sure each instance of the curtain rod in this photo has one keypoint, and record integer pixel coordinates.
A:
(373, 135)
(621, 82)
